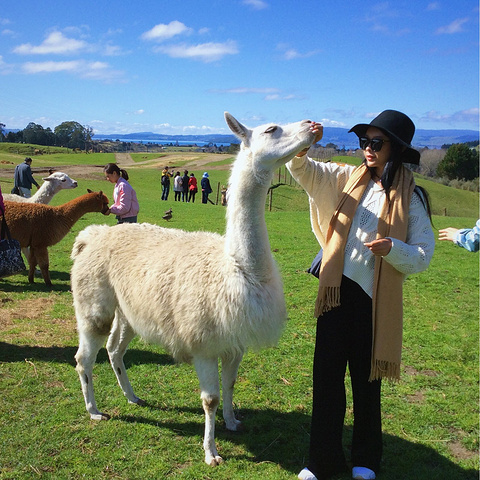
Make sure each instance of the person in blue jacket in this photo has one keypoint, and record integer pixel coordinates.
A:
(468, 238)
(23, 178)
(206, 188)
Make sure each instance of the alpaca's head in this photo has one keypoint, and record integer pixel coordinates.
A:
(61, 180)
(270, 146)
(100, 201)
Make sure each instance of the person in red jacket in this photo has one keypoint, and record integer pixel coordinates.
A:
(192, 187)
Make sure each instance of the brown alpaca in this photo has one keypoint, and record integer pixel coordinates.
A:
(39, 226)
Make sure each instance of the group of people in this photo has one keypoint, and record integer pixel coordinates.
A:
(185, 187)
(373, 224)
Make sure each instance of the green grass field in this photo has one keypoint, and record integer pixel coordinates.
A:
(430, 418)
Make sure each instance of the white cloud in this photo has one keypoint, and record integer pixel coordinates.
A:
(470, 115)
(293, 54)
(141, 111)
(91, 70)
(205, 52)
(277, 96)
(455, 27)
(433, 6)
(163, 31)
(55, 43)
(256, 4)
(246, 90)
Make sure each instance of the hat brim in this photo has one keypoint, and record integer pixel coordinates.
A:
(411, 155)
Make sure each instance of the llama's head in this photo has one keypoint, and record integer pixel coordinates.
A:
(100, 201)
(270, 146)
(61, 180)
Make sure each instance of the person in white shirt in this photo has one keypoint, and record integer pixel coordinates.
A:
(373, 224)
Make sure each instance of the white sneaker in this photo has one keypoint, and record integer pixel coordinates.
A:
(363, 473)
(306, 474)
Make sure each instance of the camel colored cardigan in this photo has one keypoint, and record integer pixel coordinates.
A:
(324, 183)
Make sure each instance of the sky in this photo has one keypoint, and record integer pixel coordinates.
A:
(174, 67)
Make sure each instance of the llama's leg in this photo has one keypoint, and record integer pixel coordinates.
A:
(32, 263)
(43, 263)
(118, 340)
(229, 376)
(90, 344)
(207, 372)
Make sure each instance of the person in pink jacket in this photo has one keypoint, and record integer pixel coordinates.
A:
(125, 206)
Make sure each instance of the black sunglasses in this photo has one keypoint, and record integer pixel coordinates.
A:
(375, 143)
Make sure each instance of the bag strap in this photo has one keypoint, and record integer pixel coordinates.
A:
(4, 231)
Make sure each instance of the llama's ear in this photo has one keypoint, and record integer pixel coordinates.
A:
(46, 179)
(89, 191)
(236, 127)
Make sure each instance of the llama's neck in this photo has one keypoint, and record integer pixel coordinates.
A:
(72, 211)
(246, 234)
(45, 193)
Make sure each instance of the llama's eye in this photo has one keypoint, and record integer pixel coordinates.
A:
(270, 129)
(64, 180)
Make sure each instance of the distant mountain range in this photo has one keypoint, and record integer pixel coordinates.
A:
(337, 136)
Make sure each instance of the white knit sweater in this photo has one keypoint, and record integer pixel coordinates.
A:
(324, 183)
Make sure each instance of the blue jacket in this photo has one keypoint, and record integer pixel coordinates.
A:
(23, 176)
(469, 238)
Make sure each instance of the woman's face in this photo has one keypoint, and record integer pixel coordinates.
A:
(377, 160)
(112, 177)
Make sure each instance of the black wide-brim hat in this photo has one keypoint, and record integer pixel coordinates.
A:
(398, 127)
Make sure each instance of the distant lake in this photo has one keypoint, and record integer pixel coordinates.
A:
(180, 143)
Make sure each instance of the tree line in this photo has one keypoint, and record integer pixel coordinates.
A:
(67, 134)
(459, 161)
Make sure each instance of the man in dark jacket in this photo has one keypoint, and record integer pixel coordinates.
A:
(185, 180)
(23, 178)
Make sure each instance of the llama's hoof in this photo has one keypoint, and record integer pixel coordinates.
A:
(214, 461)
(99, 416)
(236, 426)
(139, 402)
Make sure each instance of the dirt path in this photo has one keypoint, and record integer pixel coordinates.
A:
(189, 161)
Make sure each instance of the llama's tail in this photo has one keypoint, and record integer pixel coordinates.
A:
(84, 238)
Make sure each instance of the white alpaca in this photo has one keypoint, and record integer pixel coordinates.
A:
(122, 285)
(52, 184)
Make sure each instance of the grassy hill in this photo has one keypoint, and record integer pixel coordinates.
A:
(430, 418)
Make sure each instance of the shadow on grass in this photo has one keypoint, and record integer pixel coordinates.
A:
(18, 353)
(282, 438)
(268, 435)
(20, 284)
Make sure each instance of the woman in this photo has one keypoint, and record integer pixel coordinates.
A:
(177, 186)
(165, 181)
(206, 188)
(125, 206)
(373, 225)
(192, 187)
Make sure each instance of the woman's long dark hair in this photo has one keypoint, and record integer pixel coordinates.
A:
(391, 167)
(113, 167)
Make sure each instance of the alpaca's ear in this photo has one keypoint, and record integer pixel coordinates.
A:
(236, 127)
(46, 179)
(89, 191)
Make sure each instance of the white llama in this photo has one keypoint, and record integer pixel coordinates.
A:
(122, 286)
(52, 185)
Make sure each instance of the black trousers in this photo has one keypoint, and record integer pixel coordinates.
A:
(344, 336)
